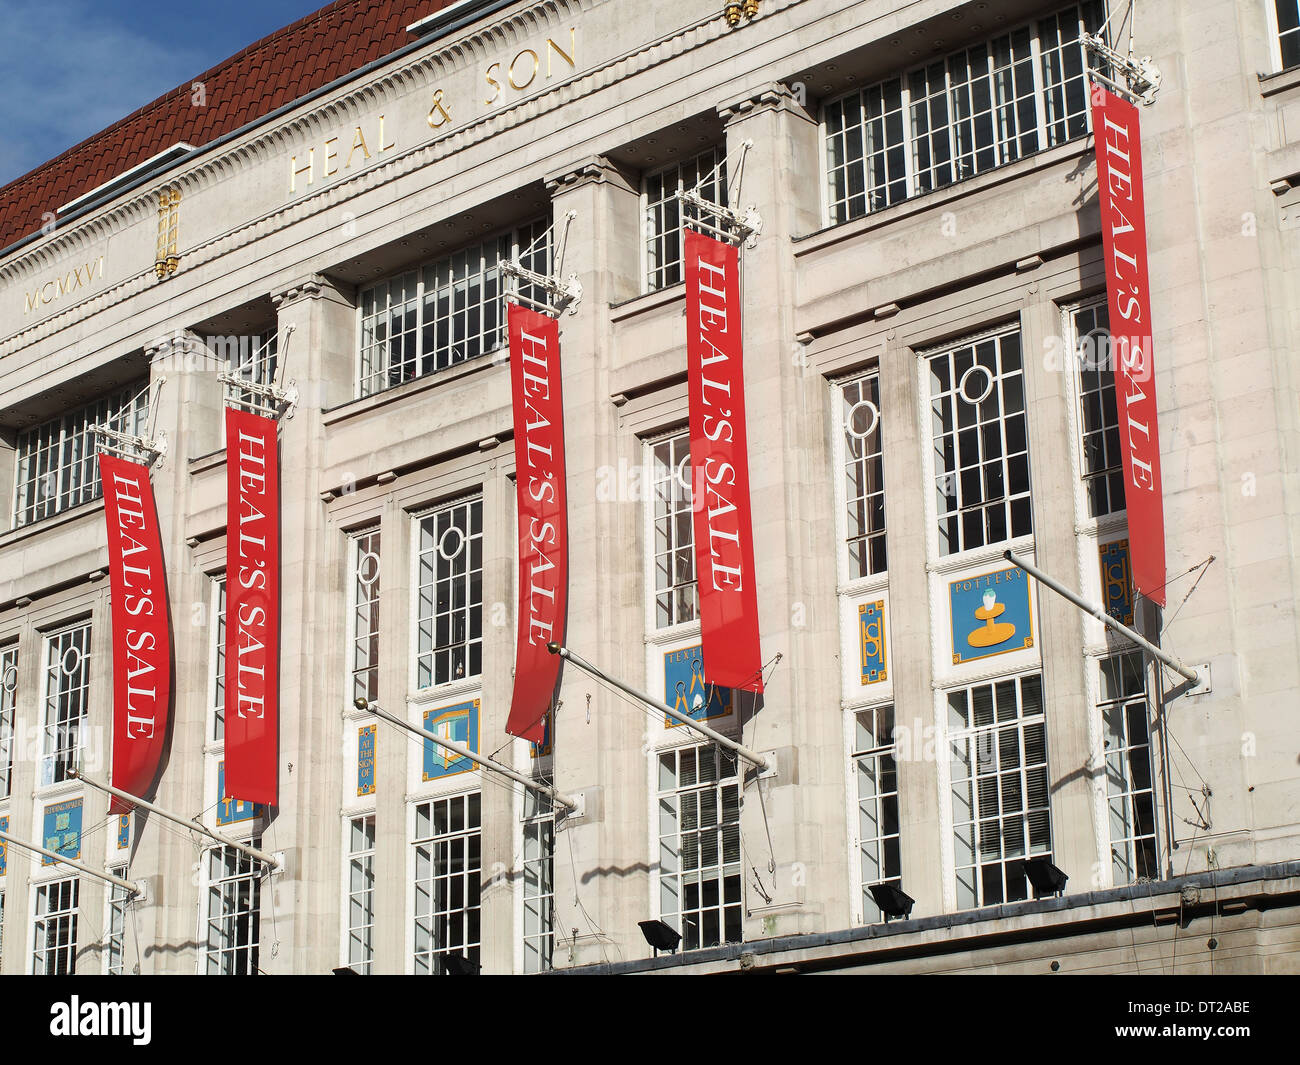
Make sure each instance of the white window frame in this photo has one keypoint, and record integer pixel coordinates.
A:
(1116, 517)
(536, 812)
(50, 753)
(863, 907)
(8, 704)
(70, 431)
(674, 627)
(115, 911)
(849, 581)
(676, 919)
(1275, 36)
(989, 548)
(247, 869)
(215, 724)
(948, 823)
(355, 540)
(528, 230)
(464, 791)
(366, 965)
(73, 915)
(910, 136)
(1128, 795)
(471, 681)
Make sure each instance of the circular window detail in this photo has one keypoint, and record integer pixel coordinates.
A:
(368, 567)
(976, 385)
(71, 661)
(862, 419)
(451, 543)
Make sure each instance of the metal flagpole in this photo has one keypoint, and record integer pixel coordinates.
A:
(1141, 641)
(739, 749)
(132, 890)
(144, 804)
(494, 766)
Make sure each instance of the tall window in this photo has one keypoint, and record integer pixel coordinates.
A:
(361, 894)
(115, 955)
(365, 615)
(448, 871)
(1130, 791)
(1101, 463)
(55, 919)
(981, 446)
(8, 697)
(539, 882)
(676, 594)
(864, 476)
(664, 214)
(57, 465)
(699, 845)
(445, 313)
(876, 771)
(234, 912)
(67, 689)
(218, 658)
(982, 107)
(1000, 806)
(450, 608)
(1288, 32)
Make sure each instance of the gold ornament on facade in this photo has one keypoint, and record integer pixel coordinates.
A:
(734, 13)
(166, 259)
(750, 8)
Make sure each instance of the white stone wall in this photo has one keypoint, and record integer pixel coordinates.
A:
(1222, 152)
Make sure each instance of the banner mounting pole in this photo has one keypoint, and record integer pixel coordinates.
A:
(133, 891)
(760, 762)
(1155, 652)
(184, 822)
(572, 805)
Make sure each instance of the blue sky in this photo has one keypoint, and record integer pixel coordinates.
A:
(70, 68)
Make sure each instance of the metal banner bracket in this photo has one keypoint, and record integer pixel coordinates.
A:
(734, 227)
(145, 450)
(560, 295)
(139, 449)
(268, 400)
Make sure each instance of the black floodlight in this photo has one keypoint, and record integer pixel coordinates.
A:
(1045, 877)
(345, 970)
(893, 901)
(660, 936)
(458, 965)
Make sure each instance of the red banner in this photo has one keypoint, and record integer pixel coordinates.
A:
(1124, 239)
(252, 606)
(543, 516)
(142, 672)
(724, 540)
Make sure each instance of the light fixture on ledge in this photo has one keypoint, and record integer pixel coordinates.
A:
(893, 901)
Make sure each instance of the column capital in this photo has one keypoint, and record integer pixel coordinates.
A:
(314, 287)
(593, 170)
(774, 96)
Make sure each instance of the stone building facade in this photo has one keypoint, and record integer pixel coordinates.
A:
(924, 313)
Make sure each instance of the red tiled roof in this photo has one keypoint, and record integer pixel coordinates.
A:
(337, 39)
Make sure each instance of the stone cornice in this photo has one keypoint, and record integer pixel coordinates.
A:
(594, 170)
(774, 96)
